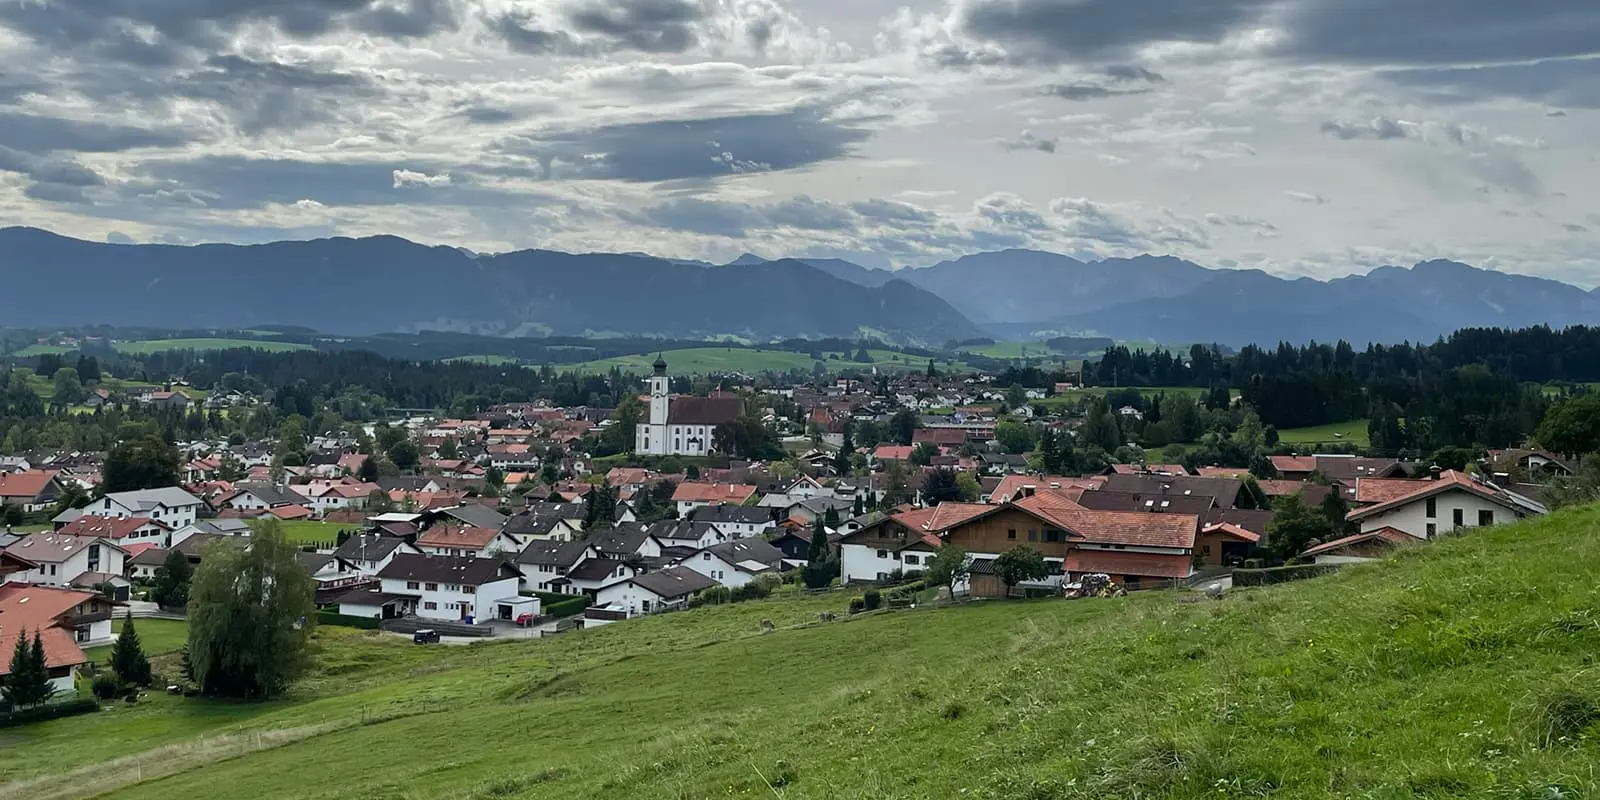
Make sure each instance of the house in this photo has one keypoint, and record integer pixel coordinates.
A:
(591, 575)
(211, 528)
(1452, 501)
(794, 542)
(681, 426)
(64, 620)
(471, 514)
(326, 496)
(690, 495)
(737, 562)
(898, 543)
(170, 506)
(1530, 462)
(545, 561)
(1336, 467)
(1360, 547)
(368, 553)
(651, 592)
(689, 534)
(121, 530)
(463, 540)
(739, 522)
(334, 577)
(631, 478)
(1111, 500)
(436, 587)
(559, 521)
(143, 562)
(625, 541)
(1015, 487)
(1224, 491)
(62, 558)
(1225, 544)
(30, 490)
(84, 616)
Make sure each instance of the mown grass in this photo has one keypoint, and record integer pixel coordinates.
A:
(1352, 432)
(157, 637)
(1462, 669)
(161, 345)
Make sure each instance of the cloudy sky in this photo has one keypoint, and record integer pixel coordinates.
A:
(1305, 137)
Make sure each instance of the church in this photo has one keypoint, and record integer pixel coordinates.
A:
(681, 426)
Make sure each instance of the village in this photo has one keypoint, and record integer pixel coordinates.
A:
(491, 534)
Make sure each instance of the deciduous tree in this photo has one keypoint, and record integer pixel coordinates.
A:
(949, 568)
(251, 612)
(1020, 564)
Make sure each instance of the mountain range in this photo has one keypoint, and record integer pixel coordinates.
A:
(387, 284)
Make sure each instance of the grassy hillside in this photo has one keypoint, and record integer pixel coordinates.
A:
(1465, 669)
(160, 345)
(1352, 432)
(703, 360)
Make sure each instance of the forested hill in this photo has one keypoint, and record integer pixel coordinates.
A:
(383, 284)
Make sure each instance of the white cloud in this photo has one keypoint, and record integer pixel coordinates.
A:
(405, 178)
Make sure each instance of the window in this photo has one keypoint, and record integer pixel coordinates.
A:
(1033, 534)
(1433, 507)
(645, 604)
(1485, 517)
(1011, 533)
(707, 556)
(1052, 536)
(432, 587)
(911, 559)
(469, 589)
(430, 606)
(1432, 529)
(881, 554)
(1206, 550)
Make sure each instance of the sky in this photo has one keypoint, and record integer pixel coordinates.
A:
(1305, 137)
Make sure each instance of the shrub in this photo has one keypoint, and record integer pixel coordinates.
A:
(1253, 563)
(555, 605)
(1271, 575)
(871, 599)
(347, 621)
(82, 705)
(754, 590)
(712, 596)
(105, 685)
(857, 605)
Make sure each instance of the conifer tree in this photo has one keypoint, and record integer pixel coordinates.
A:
(127, 656)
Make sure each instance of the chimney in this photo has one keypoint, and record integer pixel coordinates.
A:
(1433, 472)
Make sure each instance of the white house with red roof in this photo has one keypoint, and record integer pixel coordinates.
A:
(64, 620)
(66, 560)
(122, 530)
(1452, 501)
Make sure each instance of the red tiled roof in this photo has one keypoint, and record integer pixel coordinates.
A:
(1012, 484)
(1113, 527)
(697, 492)
(1386, 533)
(618, 476)
(454, 536)
(138, 547)
(1449, 480)
(1295, 463)
(40, 608)
(1280, 488)
(1141, 469)
(711, 411)
(940, 436)
(289, 512)
(942, 517)
(892, 452)
(60, 650)
(1230, 529)
(1221, 472)
(1144, 565)
(108, 527)
(1382, 490)
(24, 484)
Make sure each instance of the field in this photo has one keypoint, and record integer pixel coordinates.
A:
(1462, 669)
(490, 360)
(160, 345)
(40, 350)
(310, 531)
(1352, 432)
(158, 637)
(1077, 395)
(706, 360)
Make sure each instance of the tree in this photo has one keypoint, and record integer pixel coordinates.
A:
(68, 388)
(88, 369)
(600, 507)
(1334, 508)
(1580, 488)
(923, 454)
(172, 581)
(494, 477)
(21, 687)
(1014, 437)
(378, 502)
(971, 490)
(449, 449)
(404, 454)
(11, 516)
(1293, 526)
(1020, 564)
(147, 463)
(896, 485)
(251, 612)
(127, 656)
(841, 459)
(940, 486)
(1100, 427)
(1016, 396)
(859, 508)
(948, 568)
(620, 436)
(820, 568)
(903, 426)
(368, 471)
(1572, 427)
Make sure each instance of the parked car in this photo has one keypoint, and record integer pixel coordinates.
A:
(425, 636)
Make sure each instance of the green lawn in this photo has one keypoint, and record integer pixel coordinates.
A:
(1352, 432)
(157, 636)
(1458, 669)
(310, 531)
(40, 350)
(160, 345)
(704, 360)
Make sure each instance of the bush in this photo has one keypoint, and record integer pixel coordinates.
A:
(347, 621)
(871, 599)
(1271, 575)
(857, 605)
(555, 605)
(1253, 563)
(711, 596)
(754, 590)
(105, 685)
(82, 705)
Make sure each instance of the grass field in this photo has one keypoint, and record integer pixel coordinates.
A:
(40, 350)
(1462, 669)
(158, 637)
(490, 360)
(160, 345)
(310, 531)
(1352, 432)
(1078, 395)
(705, 360)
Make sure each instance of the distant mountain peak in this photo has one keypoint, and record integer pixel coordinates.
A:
(747, 260)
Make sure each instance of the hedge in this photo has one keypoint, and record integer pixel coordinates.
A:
(348, 621)
(1271, 575)
(552, 604)
(70, 708)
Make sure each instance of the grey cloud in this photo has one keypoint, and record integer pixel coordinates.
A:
(521, 34)
(1572, 228)
(1109, 82)
(691, 149)
(118, 237)
(1306, 197)
(51, 178)
(1571, 82)
(1378, 128)
(1441, 31)
(1085, 91)
(1127, 73)
(700, 216)
(230, 182)
(35, 134)
(1028, 141)
(1053, 30)
(893, 211)
(488, 115)
(1555, 113)
(264, 95)
(600, 26)
(804, 212)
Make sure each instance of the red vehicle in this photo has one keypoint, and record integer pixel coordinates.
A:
(525, 620)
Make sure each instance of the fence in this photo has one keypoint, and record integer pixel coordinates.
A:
(348, 621)
(1271, 575)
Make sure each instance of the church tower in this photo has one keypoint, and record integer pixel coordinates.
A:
(658, 392)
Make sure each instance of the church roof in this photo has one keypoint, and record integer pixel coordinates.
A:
(704, 410)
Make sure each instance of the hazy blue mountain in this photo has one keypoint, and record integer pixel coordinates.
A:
(389, 284)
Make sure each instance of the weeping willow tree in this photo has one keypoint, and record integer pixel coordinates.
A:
(251, 608)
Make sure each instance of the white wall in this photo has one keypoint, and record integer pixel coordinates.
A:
(713, 567)
(861, 564)
(1413, 517)
(483, 601)
(634, 598)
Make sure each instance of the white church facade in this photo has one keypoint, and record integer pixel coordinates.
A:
(681, 426)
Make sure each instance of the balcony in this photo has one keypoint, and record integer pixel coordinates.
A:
(80, 620)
